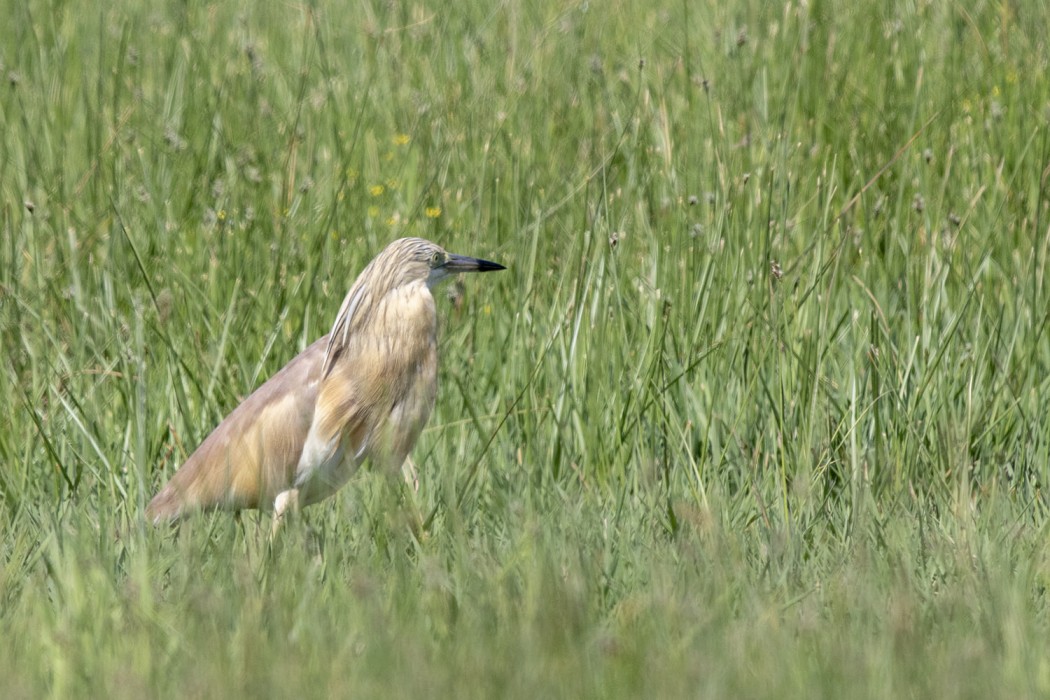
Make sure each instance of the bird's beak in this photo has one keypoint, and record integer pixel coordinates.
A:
(462, 263)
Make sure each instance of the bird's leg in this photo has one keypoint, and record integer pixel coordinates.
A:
(286, 500)
(408, 470)
(408, 488)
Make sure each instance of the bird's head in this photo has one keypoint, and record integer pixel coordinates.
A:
(403, 263)
(409, 260)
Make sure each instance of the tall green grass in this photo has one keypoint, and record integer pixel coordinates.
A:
(759, 409)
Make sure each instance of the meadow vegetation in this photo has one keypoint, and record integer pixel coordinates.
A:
(758, 410)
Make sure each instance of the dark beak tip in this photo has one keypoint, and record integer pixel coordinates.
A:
(463, 263)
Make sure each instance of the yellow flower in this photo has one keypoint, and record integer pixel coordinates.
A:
(373, 212)
(376, 190)
(222, 215)
(401, 139)
(432, 212)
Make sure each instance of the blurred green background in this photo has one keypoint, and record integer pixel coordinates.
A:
(758, 410)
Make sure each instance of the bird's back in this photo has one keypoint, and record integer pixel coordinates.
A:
(252, 455)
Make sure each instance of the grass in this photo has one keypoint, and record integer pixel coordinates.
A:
(759, 409)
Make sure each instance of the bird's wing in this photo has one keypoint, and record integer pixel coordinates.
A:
(340, 431)
(339, 436)
(252, 455)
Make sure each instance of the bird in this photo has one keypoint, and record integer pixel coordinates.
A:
(362, 392)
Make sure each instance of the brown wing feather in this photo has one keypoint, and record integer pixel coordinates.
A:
(253, 453)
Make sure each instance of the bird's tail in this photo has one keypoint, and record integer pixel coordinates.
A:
(166, 507)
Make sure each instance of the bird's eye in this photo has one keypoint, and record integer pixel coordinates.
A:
(436, 259)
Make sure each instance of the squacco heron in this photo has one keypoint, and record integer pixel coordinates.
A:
(364, 391)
